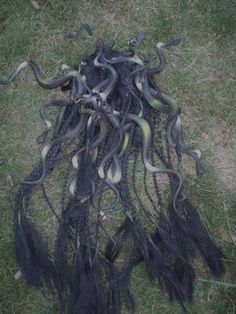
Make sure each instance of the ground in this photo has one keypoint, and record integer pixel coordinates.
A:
(200, 74)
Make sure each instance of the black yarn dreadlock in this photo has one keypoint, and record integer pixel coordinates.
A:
(113, 120)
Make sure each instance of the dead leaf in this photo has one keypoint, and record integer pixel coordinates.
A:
(17, 275)
(9, 178)
(233, 237)
(35, 4)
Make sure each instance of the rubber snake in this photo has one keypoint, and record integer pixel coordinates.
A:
(124, 59)
(70, 135)
(144, 126)
(115, 166)
(176, 122)
(43, 111)
(103, 133)
(159, 69)
(43, 114)
(110, 87)
(45, 83)
(101, 137)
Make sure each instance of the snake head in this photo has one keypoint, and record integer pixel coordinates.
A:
(200, 170)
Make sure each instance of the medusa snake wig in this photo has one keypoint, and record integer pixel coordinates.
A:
(119, 135)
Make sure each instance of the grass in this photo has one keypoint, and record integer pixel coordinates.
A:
(199, 74)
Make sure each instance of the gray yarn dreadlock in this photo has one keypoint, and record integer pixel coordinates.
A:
(113, 122)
